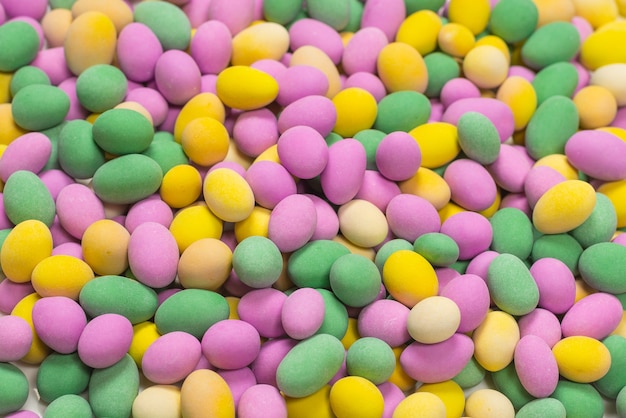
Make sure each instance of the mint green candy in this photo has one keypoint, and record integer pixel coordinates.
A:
(20, 44)
(309, 365)
(511, 285)
(281, 11)
(478, 137)
(168, 22)
(512, 232)
(53, 135)
(389, 248)
(335, 13)
(127, 179)
(356, 14)
(402, 111)
(507, 382)
(439, 249)
(615, 379)
(370, 139)
(192, 311)
(471, 375)
(553, 42)
(620, 403)
(335, 320)
(166, 153)
(560, 246)
(122, 131)
(62, 374)
(552, 124)
(413, 6)
(26, 76)
(513, 20)
(441, 68)
(101, 87)
(119, 295)
(69, 406)
(78, 154)
(355, 280)
(13, 388)
(113, 390)
(558, 79)
(309, 266)
(370, 358)
(332, 137)
(27, 197)
(61, 4)
(602, 266)
(38, 106)
(542, 408)
(599, 226)
(580, 400)
(257, 261)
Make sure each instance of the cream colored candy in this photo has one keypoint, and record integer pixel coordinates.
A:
(433, 320)
(361, 222)
(613, 78)
(485, 66)
(489, 403)
(158, 401)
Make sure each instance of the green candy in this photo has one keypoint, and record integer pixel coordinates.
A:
(552, 124)
(356, 14)
(13, 388)
(38, 106)
(257, 261)
(478, 137)
(371, 358)
(119, 295)
(599, 226)
(335, 321)
(62, 374)
(61, 4)
(413, 6)
(471, 375)
(26, 76)
(101, 87)
(441, 68)
(112, 390)
(402, 111)
(20, 44)
(389, 248)
(580, 400)
(370, 139)
(558, 79)
(53, 135)
(168, 22)
(281, 11)
(335, 13)
(439, 249)
(309, 365)
(332, 137)
(602, 266)
(507, 382)
(560, 246)
(553, 42)
(122, 131)
(69, 406)
(78, 154)
(166, 153)
(192, 311)
(512, 232)
(511, 285)
(127, 179)
(355, 280)
(542, 408)
(513, 20)
(620, 403)
(309, 266)
(27, 197)
(611, 383)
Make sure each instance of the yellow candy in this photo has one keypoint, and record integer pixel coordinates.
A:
(90, 40)
(137, 107)
(399, 376)
(61, 275)
(233, 303)
(55, 25)
(355, 249)
(491, 210)
(10, 130)
(621, 327)
(519, 94)
(105, 247)
(157, 401)
(201, 105)
(181, 185)
(316, 405)
(265, 40)
(315, 57)
(489, 403)
(497, 42)
(144, 334)
(485, 66)
(117, 10)
(362, 223)
(448, 210)
(25, 246)
(473, 14)
(193, 223)
(284, 283)
(613, 78)
(352, 333)
(438, 141)
(356, 111)
(604, 46)
(270, 154)
(206, 393)
(582, 290)
(401, 67)
(429, 185)
(245, 88)
(205, 264)
(554, 10)
(564, 207)
(596, 106)
(450, 393)
(255, 224)
(420, 405)
(596, 12)
(420, 30)
(228, 195)
(24, 309)
(235, 155)
(409, 277)
(5, 87)
(616, 192)
(355, 396)
(456, 40)
(560, 163)
(582, 359)
(495, 340)
(205, 141)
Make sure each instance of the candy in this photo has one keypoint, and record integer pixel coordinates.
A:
(396, 274)
(495, 340)
(105, 340)
(579, 399)
(546, 407)
(120, 382)
(354, 395)
(433, 320)
(28, 152)
(26, 42)
(508, 270)
(69, 404)
(17, 338)
(15, 388)
(267, 40)
(343, 275)
(489, 403)
(179, 345)
(611, 384)
(411, 75)
(548, 215)
(587, 352)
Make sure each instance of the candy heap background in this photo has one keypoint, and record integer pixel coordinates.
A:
(271, 208)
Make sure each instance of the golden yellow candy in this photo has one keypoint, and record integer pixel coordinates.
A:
(448, 210)
(450, 393)
(495, 340)
(28, 243)
(616, 192)
(402, 67)
(356, 111)
(144, 334)
(105, 247)
(420, 405)
(10, 130)
(91, 40)
(205, 141)
(456, 40)
(61, 275)
(352, 333)
(420, 30)
(24, 309)
(559, 163)
(409, 277)
(255, 224)
(233, 303)
(519, 94)
(205, 264)
(193, 223)
(596, 106)
(201, 105)
(438, 141)
(485, 66)
(181, 185)
(5, 87)
(316, 405)
(564, 207)
(429, 185)
(245, 88)
(206, 393)
(582, 359)
(603, 47)
(473, 14)
(228, 195)
(355, 396)
(263, 40)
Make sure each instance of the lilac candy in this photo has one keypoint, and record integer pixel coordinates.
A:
(238, 381)
(271, 354)
(385, 319)
(327, 225)
(303, 151)
(536, 366)
(303, 313)
(255, 131)
(231, 344)
(151, 209)
(556, 283)
(171, 357)
(480, 264)
(598, 154)
(105, 340)
(152, 101)
(261, 401)
(73, 249)
(318, 112)
(392, 396)
(270, 182)
(59, 322)
(410, 216)
(55, 180)
(343, 175)
(153, 255)
(235, 14)
(138, 50)
(471, 185)
(457, 89)
(361, 51)
(217, 36)
(542, 323)
(318, 34)
(77, 208)
(510, 169)
(471, 295)
(595, 315)
(471, 231)
(377, 189)
(262, 308)
(368, 82)
(177, 76)
(30, 152)
(398, 156)
(16, 338)
(300, 81)
(52, 62)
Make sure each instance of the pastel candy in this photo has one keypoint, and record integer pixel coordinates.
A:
(583, 318)
(582, 151)
(228, 195)
(25, 41)
(470, 184)
(26, 197)
(61, 375)
(592, 358)
(556, 284)
(433, 320)
(17, 338)
(386, 320)
(157, 399)
(361, 51)
(318, 112)
(105, 340)
(80, 46)
(205, 390)
(38, 106)
(119, 381)
(168, 22)
(513, 20)
(73, 198)
(413, 75)
(138, 50)
(259, 400)
(15, 388)
(28, 152)
(471, 295)
(78, 154)
(495, 350)
(122, 131)
(499, 114)
(184, 347)
(217, 34)
(231, 344)
(578, 207)
(268, 40)
(59, 321)
(346, 159)
(76, 273)
(507, 270)
(531, 352)
(555, 36)
(478, 137)
(292, 222)
(302, 313)
(27, 244)
(153, 255)
(302, 151)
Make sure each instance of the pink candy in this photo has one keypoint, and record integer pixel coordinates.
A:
(59, 322)
(171, 357)
(231, 344)
(153, 255)
(105, 340)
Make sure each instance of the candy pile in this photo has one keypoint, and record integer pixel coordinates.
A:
(330, 208)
